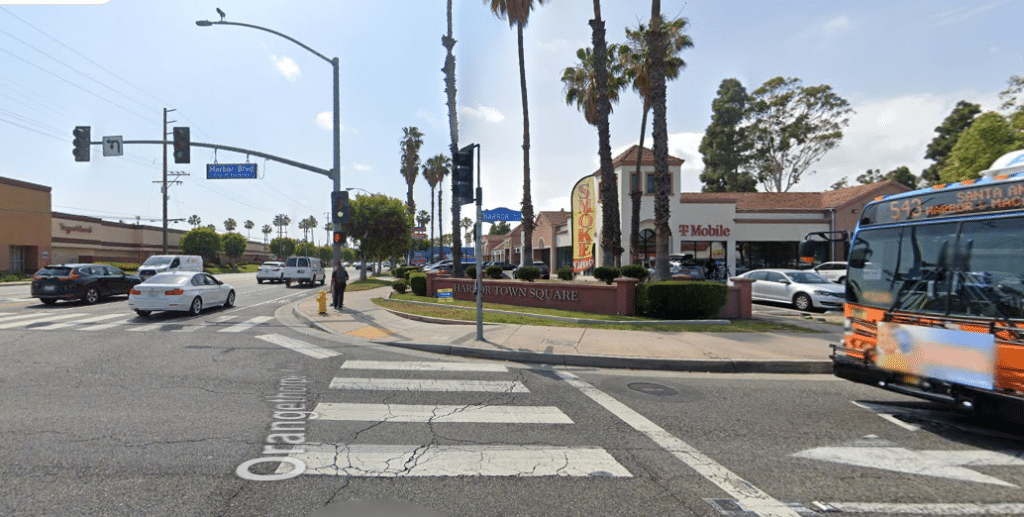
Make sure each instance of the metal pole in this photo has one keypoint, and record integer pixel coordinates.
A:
(479, 263)
(163, 190)
(336, 247)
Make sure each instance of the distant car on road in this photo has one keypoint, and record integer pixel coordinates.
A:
(180, 291)
(804, 289)
(834, 271)
(271, 272)
(85, 282)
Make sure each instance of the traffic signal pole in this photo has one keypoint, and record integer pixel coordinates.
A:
(478, 286)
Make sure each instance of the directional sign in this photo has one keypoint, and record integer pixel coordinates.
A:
(943, 464)
(502, 214)
(220, 171)
(419, 233)
(113, 146)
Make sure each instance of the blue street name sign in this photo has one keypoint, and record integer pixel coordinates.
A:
(502, 214)
(221, 171)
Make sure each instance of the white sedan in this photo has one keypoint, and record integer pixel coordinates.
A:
(180, 291)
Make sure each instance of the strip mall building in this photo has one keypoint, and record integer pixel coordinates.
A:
(31, 235)
(743, 230)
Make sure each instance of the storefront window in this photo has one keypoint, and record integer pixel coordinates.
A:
(759, 255)
(702, 251)
(648, 241)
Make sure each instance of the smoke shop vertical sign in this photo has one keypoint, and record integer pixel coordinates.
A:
(584, 224)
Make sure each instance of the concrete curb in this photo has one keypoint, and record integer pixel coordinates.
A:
(634, 363)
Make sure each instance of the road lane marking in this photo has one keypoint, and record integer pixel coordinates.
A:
(424, 366)
(105, 326)
(342, 383)
(746, 494)
(455, 460)
(83, 321)
(928, 508)
(887, 416)
(299, 346)
(441, 414)
(938, 463)
(248, 324)
(34, 318)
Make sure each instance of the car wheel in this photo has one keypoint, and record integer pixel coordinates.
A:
(230, 301)
(842, 280)
(48, 301)
(143, 313)
(287, 283)
(802, 302)
(259, 280)
(92, 295)
(196, 307)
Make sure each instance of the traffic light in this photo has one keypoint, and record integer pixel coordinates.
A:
(462, 176)
(339, 238)
(182, 145)
(82, 143)
(339, 207)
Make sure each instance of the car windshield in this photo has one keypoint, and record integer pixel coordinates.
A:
(808, 278)
(168, 278)
(54, 271)
(157, 261)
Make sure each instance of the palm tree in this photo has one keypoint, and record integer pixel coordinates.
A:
(329, 228)
(448, 42)
(230, 225)
(635, 61)
(657, 42)
(281, 221)
(249, 225)
(195, 221)
(517, 12)
(267, 230)
(593, 85)
(436, 168)
(412, 140)
(467, 225)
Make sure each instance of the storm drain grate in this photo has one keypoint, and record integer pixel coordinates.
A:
(650, 388)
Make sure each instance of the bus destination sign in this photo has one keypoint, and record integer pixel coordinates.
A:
(984, 197)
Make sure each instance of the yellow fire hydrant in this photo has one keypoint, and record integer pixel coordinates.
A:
(321, 298)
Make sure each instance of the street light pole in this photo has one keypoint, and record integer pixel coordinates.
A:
(336, 170)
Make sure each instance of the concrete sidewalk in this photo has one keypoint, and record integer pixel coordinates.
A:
(738, 352)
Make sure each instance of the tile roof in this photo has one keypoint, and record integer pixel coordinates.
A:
(790, 200)
(556, 218)
(628, 159)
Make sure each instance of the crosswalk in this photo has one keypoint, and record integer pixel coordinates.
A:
(389, 460)
(89, 322)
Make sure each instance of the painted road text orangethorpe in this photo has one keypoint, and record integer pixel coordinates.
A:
(287, 430)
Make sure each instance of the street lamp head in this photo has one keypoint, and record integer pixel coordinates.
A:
(221, 13)
(204, 23)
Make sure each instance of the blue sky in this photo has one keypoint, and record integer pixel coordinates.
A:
(903, 65)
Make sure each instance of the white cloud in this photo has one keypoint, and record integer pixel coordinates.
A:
(483, 112)
(325, 119)
(836, 25)
(288, 68)
(362, 168)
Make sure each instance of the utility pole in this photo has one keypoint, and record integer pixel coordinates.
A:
(164, 189)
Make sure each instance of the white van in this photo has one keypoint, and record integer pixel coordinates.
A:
(304, 270)
(161, 263)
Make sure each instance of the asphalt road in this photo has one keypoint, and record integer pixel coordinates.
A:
(171, 415)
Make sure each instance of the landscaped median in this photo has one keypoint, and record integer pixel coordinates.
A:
(461, 310)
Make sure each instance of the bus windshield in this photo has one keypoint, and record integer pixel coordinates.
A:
(955, 268)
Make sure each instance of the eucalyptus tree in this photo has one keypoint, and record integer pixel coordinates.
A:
(725, 145)
(593, 85)
(948, 132)
(382, 225)
(412, 140)
(434, 171)
(636, 64)
(517, 12)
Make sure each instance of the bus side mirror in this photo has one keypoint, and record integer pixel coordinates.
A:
(807, 251)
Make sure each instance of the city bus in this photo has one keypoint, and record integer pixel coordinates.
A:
(935, 293)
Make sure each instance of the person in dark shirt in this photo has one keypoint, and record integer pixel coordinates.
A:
(339, 277)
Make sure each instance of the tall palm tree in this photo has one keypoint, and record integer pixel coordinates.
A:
(329, 228)
(448, 42)
(517, 12)
(412, 140)
(230, 225)
(635, 62)
(267, 230)
(657, 42)
(436, 168)
(249, 225)
(281, 221)
(195, 221)
(583, 86)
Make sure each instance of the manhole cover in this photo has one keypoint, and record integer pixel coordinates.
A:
(650, 388)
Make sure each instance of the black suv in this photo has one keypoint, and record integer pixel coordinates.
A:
(86, 282)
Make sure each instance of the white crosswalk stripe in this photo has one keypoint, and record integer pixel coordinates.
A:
(433, 460)
(299, 346)
(78, 321)
(93, 319)
(246, 325)
(20, 321)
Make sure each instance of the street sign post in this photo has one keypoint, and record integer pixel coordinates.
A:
(113, 146)
(220, 171)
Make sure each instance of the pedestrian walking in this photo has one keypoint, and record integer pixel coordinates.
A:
(339, 277)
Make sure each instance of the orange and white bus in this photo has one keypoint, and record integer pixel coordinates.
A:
(935, 292)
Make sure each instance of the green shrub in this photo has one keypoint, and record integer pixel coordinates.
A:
(403, 271)
(14, 276)
(680, 300)
(123, 266)
(493, 271)
(400, 286)
(470, 271)
(528, 273)
(606, 273)
(418, 283)
(635, 271)
(565, 273)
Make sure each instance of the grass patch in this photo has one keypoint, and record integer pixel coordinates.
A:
(466, 311)
(366, 285)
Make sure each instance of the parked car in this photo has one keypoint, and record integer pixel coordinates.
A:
(505, 266)
(804, 289)
(271, 272)
(834, 271)
(160, 263)
(86, 282)
(180, 291)
(304, 270)
(691, 271)
(443, 265)
(542, 266)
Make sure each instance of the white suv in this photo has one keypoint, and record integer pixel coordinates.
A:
(834, 271)
(304, 270)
